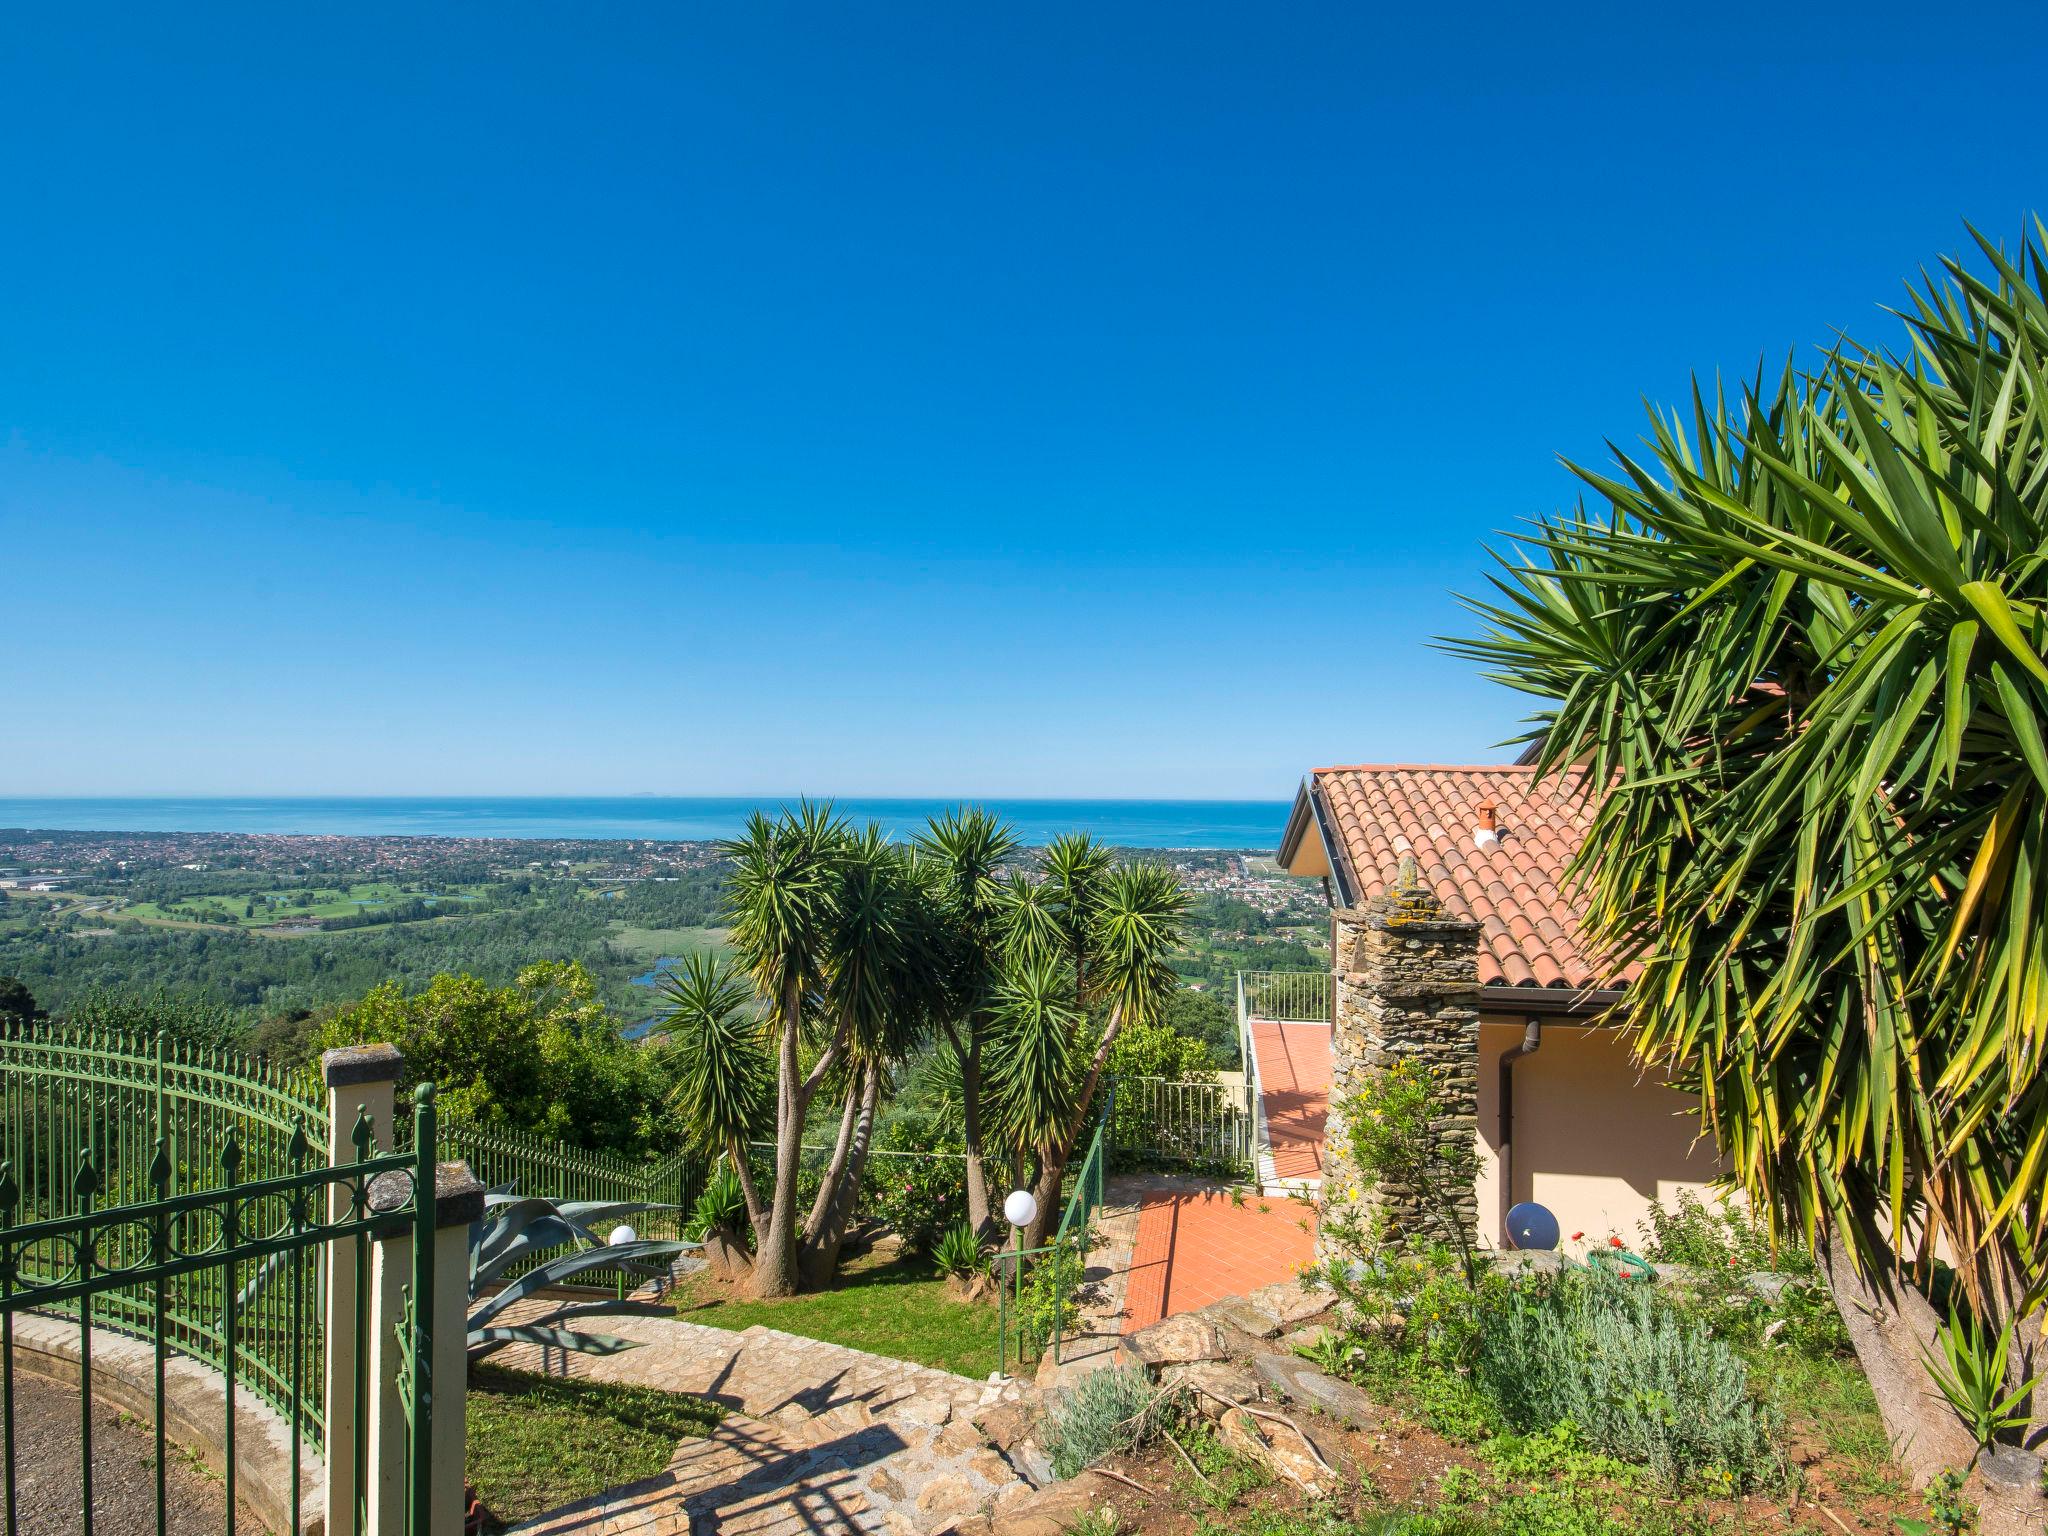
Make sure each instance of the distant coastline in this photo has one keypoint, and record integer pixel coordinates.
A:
(1234, 824)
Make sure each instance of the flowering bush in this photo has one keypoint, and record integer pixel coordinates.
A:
(917, 1196)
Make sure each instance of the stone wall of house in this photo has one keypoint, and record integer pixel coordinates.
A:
(1406, 989)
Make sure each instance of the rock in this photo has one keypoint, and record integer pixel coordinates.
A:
(1293, 1303)
(1053, 1510)
(1207, 1380)
(1176, 1341)
(1246, 1316)
(1005, 1425)
(1276, 1448)
(885, 1482)
(1299, 1382)
(1314, 1336)
(946, 1498)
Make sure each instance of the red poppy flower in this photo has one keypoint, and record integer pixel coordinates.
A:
(1615, 1241)
(1577, 1235)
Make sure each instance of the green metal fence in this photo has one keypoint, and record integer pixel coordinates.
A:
(1036, 1298)
(1208, 1124)
(62, 1091)
(137, 1233)
(1287, 996)
(138, 1109)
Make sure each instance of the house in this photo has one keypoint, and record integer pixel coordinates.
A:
(1566, 1117)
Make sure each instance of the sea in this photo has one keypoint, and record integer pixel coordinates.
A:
(1232, 824)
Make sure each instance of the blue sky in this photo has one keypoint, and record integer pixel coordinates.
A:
(891, 399)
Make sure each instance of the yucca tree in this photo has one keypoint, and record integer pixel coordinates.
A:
(1103, 932)
(966, 848)
(783, 901)
(884, 984)
(723, 1073)
(1796, 651)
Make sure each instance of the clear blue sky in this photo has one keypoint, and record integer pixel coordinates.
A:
(881, 399)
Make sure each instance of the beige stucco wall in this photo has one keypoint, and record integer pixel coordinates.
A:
(1593, 1140)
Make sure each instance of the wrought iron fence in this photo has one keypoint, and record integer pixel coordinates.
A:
(1287, 996)
(1205, 1123)
(138, 1234)
(135, 1110)
(63, 1090)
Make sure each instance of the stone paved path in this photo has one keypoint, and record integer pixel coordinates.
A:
(822, 1439)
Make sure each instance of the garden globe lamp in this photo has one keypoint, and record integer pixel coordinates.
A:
(620, 1236)
(1020, 1208)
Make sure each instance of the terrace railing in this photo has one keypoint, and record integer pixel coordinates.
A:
(1287, 996)
(1208, 1124)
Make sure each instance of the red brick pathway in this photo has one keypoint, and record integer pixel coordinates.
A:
(1195, 1249)
(1294, 1083)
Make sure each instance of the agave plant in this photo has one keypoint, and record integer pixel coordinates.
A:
(516, 1227)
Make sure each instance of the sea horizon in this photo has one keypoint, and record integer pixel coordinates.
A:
(1130, 823)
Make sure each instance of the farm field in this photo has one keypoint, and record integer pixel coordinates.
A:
(264, 909)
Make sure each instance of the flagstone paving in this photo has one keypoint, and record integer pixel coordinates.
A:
(821, 1439)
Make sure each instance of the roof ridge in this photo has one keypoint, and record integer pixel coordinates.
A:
(1520, 768)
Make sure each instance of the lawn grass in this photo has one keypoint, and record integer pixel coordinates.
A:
(883, 1304)
(539, 1442)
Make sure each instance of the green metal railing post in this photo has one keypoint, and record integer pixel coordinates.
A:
(85, 1186)
(9, 1193)
(423, 1241)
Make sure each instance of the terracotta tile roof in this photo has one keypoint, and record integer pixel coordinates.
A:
(1529, 937)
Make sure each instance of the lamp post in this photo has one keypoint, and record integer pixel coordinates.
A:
(620, 1236)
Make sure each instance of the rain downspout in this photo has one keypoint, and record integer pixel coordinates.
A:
(1532, 1041)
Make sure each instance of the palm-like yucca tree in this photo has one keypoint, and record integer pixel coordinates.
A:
(784, 902)
(724, 1077)
(966, 849)
(1798, 656)
(1118, 923)
(885, 983)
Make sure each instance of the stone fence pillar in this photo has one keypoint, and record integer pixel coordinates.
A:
(1406, 988)
(361, 1079)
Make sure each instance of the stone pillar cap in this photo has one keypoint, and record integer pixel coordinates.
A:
(458, 1194)
(356, 1064)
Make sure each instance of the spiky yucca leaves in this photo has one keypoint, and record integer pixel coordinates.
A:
(784, 888)
(1039, 1056)
(966, 849)
(724, 1072)
(1801, 650)
(1139, 915)
(723, 1075)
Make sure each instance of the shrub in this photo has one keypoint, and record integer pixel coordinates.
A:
(1105, 1412)
(1714, 1237)
(1724, 1245)
(918, 1198)
(959, 1252)
(722, 1207)
(1638, 1379)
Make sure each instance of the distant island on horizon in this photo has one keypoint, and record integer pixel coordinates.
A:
(1130, 823)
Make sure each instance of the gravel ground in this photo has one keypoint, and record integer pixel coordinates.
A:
(123, 1472)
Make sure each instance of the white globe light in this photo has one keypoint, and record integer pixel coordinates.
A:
(1019, 1208)
(622, 1235)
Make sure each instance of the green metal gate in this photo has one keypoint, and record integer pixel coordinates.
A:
(162, 1236)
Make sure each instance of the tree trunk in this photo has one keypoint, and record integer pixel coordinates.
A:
(1893, 1329)
(828, 1187)
(821, 1246)
(757, 1213)
(775, 1272)
(979, 1215)
(1045, 1189)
